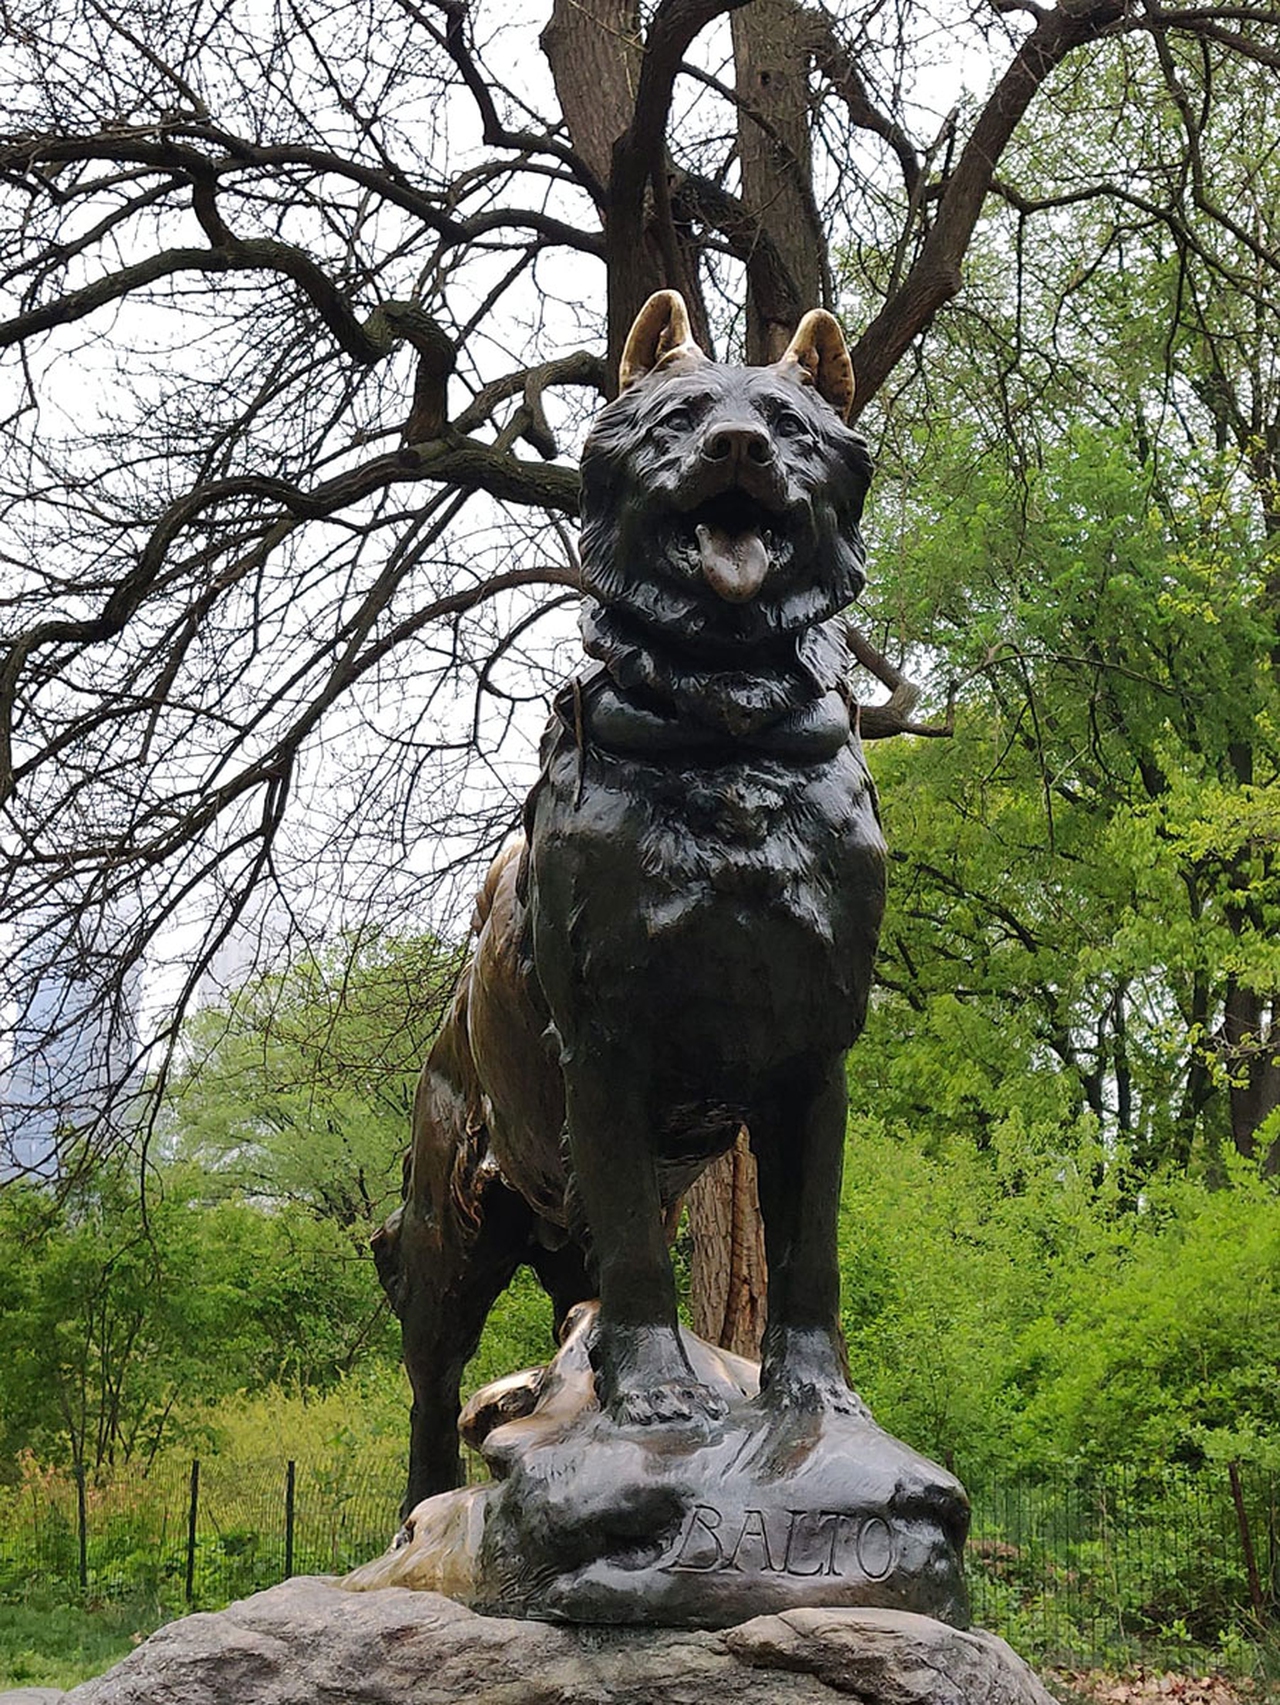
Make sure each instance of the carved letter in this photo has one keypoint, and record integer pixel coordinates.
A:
(836, 1527)
(796, 1542)
(753, 1527)
(875, 1548)
(704, 1520)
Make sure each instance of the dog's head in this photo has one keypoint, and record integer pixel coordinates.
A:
(722, 504)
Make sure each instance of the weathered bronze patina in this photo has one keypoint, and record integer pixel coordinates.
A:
(765, 1510)
(681, 944)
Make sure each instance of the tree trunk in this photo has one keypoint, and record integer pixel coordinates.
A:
(771, 52)
(594, 48)
(728, 1280)
(598, 60)
(1251, 1032)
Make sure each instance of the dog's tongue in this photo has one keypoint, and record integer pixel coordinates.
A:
(735, 564)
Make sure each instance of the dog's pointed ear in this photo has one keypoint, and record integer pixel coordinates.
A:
(818, 355)
(661, 331)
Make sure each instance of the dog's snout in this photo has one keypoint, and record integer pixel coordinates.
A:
(734, 441)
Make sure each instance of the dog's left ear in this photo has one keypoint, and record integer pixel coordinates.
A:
(818, 355)
(660, 336)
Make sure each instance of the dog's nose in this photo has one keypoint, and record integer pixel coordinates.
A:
(737, 442)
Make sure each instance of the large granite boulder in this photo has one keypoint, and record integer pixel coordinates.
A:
(307, 1641)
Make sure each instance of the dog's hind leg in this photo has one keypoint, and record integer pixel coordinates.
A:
(448, 1286)
(562, 1273)
(642, 1374)
(797, 1137)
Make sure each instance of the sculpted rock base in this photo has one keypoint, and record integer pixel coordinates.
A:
(696, 1523)
(307, 1640)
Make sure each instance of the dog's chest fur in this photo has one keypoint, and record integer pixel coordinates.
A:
(730, 907)
(706, 861)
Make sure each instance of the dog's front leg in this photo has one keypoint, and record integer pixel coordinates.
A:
(642, 1373)
(797, 1138)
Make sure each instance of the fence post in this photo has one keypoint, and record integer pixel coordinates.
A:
(82, 1526)
(290, 1482)
(1246, 1544)
(191, 1528)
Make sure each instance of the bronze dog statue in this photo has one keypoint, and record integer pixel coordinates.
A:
(683, 942)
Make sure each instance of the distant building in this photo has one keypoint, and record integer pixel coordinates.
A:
(71, 1054)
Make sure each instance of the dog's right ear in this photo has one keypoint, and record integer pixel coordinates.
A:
(660, 335)
(818, 355)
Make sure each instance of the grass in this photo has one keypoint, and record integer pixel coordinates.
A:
(47, 1643)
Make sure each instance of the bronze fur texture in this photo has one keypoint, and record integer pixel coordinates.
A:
(682, 943)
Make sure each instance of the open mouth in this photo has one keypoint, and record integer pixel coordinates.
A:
(734, 539)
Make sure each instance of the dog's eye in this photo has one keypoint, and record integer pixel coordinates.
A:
(679, 420)
(792, 425)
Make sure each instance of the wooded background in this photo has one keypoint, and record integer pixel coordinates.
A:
(306, 310)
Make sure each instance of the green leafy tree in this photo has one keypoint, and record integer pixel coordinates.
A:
(117, 1326)
(1009, 1312)
(1084, 543)
(299, 1088)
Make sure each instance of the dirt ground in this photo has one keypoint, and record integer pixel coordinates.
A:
(1096, 1687)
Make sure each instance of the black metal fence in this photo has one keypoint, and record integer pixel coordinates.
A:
(196, 1533)
(1171, 1568)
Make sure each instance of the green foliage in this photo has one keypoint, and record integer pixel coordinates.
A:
(1171, 1349)
(246, 1274)
(115, 1325)
(1082, 877)
(299, 1088)
(361, 1415)
(92, 1326)
(1009, 1311)
(518, 1334)
(248, 1265)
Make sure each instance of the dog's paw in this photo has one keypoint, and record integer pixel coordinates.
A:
(665, 1400)
(803, 1373)
(798, 1393)
(643, 1378)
